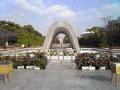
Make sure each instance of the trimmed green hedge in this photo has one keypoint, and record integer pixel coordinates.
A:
(39, 59)
(91, 60)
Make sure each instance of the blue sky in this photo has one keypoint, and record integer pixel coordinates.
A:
(81, 14)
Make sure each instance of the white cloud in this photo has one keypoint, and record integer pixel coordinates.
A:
(81, 19)
(60, 10)
(53, 11)
(109, 10)
(113, 6)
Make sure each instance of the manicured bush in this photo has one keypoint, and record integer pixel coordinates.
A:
(5, 59)
(38, 59)
(41, 60)
(91, 60)
(85, 60)
(78, 60)
(41, 63)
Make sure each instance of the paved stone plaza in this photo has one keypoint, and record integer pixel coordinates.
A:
(58, 76)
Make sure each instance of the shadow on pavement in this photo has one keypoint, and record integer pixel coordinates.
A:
(1, 77)
(100, 78)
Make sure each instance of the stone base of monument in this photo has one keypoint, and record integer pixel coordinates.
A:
(60, 61)
(60, 58)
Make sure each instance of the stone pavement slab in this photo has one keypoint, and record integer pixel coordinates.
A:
(59, 76)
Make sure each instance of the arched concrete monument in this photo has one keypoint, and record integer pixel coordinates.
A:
(60, 27)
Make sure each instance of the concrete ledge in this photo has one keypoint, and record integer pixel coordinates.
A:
(20, 67)
(102, 68)
(29, 67)
(91, 68)
(36, 68)
(85, 67)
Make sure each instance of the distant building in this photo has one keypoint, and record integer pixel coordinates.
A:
(114, 32)
(114, 24)
(9, 38)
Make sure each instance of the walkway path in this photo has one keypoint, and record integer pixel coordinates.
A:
(59, 77)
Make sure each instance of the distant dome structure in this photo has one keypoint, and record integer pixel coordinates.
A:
(57, 28)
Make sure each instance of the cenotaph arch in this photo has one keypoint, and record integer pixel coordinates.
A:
(60, 27)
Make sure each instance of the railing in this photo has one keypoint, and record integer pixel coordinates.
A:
(69, 54)
(19, 51)
(62, 55)
(71, 51)
(61, 58)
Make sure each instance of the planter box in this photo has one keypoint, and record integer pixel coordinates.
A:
(48, 57)
(20, 67)
(36, 68)
(91, 68)
(88, 68)
(73, 57)
(61, 58)
(67, 58)
(53, 57)
(29, 67)
(103, 68)
(85, 67)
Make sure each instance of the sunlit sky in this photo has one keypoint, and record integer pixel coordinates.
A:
(81, 14)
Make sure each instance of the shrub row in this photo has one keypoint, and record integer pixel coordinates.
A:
(29, 59)
(92, 60)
